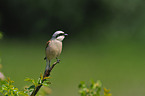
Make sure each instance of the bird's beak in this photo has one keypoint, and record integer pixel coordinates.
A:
(65, 34)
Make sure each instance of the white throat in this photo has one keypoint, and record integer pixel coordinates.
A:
(60, 38)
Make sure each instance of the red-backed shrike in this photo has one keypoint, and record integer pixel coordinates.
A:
(54, 47)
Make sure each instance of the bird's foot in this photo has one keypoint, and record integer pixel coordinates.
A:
(58, 60)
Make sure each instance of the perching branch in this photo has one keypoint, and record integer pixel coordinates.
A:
(46, 74)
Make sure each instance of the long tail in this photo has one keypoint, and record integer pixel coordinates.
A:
(47, 65)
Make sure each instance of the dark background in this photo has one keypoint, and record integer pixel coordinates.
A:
(85, 18)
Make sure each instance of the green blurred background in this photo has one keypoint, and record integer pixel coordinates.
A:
(105, 42)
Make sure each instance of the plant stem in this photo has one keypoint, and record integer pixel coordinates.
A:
(46, 74)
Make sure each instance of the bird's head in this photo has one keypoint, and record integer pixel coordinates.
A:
(59, 35)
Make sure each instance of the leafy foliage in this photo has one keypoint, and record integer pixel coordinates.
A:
(37, 83)
(8, 89)
(107, 92)
(94, 89)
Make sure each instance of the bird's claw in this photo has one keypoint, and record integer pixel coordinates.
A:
(58, 60)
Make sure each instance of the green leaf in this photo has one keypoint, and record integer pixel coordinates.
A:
(46, 83)
(99, 84)
(31, 87)
(82, 84)
(107, 92)
(31, 80)
(28, 79)
(4, 87)
(47, 77)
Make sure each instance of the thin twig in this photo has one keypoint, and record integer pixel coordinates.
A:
(46, 74)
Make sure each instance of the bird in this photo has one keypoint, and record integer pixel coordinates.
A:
(54, 47)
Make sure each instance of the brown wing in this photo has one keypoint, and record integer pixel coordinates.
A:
(47, 44)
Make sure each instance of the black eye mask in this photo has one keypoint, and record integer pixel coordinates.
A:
(61, 34)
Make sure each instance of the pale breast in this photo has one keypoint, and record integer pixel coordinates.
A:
(54, 49)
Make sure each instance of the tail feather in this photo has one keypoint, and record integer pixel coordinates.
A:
(47, 65)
